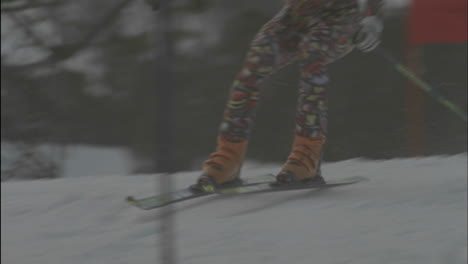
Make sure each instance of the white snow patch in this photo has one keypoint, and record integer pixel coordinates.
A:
(412, 211)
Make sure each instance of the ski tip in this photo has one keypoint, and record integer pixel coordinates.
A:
(130, 199)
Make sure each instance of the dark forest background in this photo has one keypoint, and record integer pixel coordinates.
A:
(83, 72)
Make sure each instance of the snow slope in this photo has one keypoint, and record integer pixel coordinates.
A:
(412, 211)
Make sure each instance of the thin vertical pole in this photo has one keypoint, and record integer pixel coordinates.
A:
(414, 104)
(165, 125)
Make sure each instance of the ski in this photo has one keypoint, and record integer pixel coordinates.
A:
(268, 187)
(188, 193)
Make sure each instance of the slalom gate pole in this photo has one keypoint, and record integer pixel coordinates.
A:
(165, 92)
(421, 84)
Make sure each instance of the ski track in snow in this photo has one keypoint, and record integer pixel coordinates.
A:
(412, 211)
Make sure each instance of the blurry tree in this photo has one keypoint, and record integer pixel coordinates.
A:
(45, 98)
(82, 72)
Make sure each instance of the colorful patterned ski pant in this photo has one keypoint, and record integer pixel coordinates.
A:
(312, 33)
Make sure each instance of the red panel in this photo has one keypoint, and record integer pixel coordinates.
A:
(437, 21)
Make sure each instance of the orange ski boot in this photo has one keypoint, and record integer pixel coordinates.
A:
(222, 169)
(303, 164)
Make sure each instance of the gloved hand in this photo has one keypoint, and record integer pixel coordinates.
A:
(368, 36)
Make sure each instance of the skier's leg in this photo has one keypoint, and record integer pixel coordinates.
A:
(271, 49)
(324, 44)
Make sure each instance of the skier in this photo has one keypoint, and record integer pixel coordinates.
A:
(312, 33)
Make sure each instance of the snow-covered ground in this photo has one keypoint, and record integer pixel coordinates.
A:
(412, 211)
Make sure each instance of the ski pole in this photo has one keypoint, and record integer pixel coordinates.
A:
(421, 84)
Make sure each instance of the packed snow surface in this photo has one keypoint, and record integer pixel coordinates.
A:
(412, 211)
